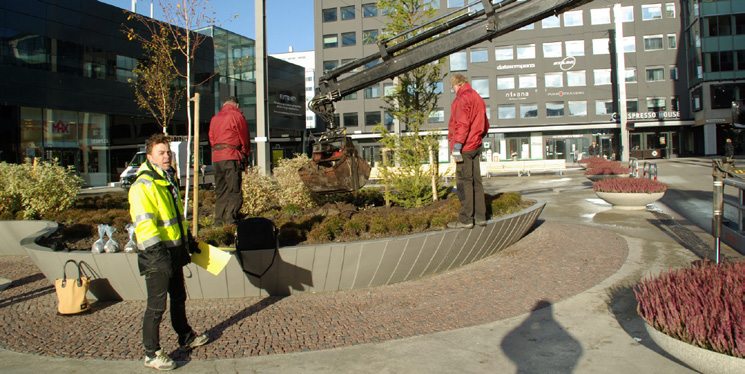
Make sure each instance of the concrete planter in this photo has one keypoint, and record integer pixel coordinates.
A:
(629, 201)
(702, 360)
(12, 232)
(311, 268)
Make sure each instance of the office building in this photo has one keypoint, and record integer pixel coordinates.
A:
(306, 59)
(550, 87)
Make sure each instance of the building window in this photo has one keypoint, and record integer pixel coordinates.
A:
(372, 118)
(653, 43)
(627, 13)
(632, 106)
(458, 61)
(552, 50)
(630, 74)
(651, 12)
(551, 22)
(673, 72)
(309, 89)
(600, 16)
(388, 118)
(740, 60)
(331, 64)
(602, 76)
(655, 104)
(437, 87)
(506, 82)
(670, 10)
(528, 110)
(603, 107)
(456, 3)
(348, 39)
(372, 92)
(481, 85)
(388, 89)
(722, 96)
(330, 41)
(351, 120)
(124, 67)
(506, 112)
(554, 79)
(528, 27)
(696, 99)
(369, 36)
(347, 12)
(369, 10)
(600, 46)
(573, 18)
(526, 51)
(329, 15)
(674, 103)
(479, 55)
(527, 81)
(655, 74)
(672, 41)
(437, 116)
(503, 53)
(739, 26)
(629, 44)
(577, 108)
(352, 96)
(575, 47)
(555, 109)
(718, 25)
(576, 78)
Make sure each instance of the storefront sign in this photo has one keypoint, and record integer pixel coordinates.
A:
(516, 66)
(516, 95)
(653, 115)
(565, 93)
(62, 128)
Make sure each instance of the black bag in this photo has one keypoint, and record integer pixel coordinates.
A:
(256, 234)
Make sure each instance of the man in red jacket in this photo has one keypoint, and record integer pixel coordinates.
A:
(467, 127)
(231, 146)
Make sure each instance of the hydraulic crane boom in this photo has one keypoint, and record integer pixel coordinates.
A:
(438, 38)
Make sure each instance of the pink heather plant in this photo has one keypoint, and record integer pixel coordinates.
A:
(702, 305)
(632, 185)
(603, 170)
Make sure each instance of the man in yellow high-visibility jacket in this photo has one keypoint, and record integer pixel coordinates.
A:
(163, 244)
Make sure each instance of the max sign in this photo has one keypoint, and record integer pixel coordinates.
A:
(61, 128)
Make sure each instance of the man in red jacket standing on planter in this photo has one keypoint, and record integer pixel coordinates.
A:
(231, 146)
(467, 127)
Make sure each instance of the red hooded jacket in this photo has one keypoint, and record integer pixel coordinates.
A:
(229, 127)
(468, 123)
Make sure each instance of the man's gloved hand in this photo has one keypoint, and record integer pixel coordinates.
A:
(457, 156)
(193, 245)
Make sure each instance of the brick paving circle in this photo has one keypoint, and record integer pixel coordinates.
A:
(553, 262)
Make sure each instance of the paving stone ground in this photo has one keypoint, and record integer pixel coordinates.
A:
(553, 262)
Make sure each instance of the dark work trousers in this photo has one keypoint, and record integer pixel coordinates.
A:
(470, 190)
(228, 196)
(158, 287)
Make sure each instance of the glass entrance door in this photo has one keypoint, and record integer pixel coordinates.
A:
(65, 156)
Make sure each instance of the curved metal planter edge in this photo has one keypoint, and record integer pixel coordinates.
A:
(309, 268)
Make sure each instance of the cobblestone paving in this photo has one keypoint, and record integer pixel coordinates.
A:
(555, 261)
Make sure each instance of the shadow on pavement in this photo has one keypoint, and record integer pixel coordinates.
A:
(541, 345)
(622, 303)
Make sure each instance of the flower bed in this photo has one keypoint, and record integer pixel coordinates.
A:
(629, 185)
(702, 305)
(608, 170)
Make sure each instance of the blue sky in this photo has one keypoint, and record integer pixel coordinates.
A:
(288, 22)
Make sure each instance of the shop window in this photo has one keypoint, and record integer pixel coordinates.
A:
(31, 132)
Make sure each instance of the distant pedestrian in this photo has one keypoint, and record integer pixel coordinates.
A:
(467, 128)
(231, 146)
(164, 244)
(594, 150)
(729, 149)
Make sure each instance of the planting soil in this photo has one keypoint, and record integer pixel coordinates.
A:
(345, 218)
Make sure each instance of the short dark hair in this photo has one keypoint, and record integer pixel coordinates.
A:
(230, 99)
(155, 139)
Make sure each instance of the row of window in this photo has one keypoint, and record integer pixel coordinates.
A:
(349, 12)
(530, 81)
(530, 110)
(349, 39)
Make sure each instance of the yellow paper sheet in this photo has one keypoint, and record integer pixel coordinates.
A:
(212, 259)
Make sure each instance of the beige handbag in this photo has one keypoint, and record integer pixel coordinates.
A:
(71, 293)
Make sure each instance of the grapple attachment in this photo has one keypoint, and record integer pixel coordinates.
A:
(335, 166)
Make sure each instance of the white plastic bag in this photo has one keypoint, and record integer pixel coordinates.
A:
(112, 245)
(98, 246)
(131, 246)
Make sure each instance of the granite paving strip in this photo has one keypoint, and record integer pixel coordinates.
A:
(553, 262)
